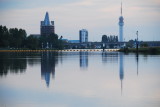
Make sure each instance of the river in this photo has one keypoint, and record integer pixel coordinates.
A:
(79, 79)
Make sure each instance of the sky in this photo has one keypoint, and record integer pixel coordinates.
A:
(99, 17)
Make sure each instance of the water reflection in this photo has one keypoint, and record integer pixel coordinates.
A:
(48, 63)
(12, 62)
(33, 58)
(113, 57)
(109, 57)
(97, 87)
(137, 60)
(121, 70)
(83, 60)
(17, 62)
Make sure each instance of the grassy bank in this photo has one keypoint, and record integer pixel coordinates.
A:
(147, 50)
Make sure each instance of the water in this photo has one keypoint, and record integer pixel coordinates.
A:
(79, 79)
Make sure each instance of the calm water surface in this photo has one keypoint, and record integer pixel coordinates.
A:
(79, 79)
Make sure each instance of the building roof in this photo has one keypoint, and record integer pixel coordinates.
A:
(73, 41)
(46, 19)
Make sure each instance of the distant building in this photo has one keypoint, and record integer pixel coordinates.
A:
(65, 40)
(47, 27)
(73, 41)
(83, 35)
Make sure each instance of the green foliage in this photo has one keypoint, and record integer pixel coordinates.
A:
(52, 40)
(104, 38)
(32, 42)
(130, 44)
(17, 38)
(12, 38)
(4, 36)
(110, 38)
(151, 50)
(144, 45)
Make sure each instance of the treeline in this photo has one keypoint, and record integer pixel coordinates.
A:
(111, 38)
(12, 37)
(15, 38)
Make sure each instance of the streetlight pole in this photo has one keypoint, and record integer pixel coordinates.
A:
(137, 42)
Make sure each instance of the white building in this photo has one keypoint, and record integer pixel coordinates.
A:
(83, 35)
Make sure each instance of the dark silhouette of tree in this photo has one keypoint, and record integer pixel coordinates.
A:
(104, 39)
(17, 38)
(12, 38)
(130, 43)
(111, 38)
(32, 42)
(4, 37)
(52, 41)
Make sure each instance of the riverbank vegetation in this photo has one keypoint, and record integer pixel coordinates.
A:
(150, 50)
(15, 38)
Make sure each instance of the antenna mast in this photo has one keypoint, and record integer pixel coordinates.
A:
(121, 8)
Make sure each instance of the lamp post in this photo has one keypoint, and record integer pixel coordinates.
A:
(137, 42)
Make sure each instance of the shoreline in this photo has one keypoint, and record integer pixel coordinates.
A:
(145, 50)
(64, 50)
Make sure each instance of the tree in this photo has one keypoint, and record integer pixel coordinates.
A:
(144, 45)
(52, 41)
(17, 37)
(104, 39)
(4, 37)
(23, 35)
(130, 43)
(32, 42)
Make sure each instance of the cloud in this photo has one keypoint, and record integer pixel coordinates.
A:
(98, 16)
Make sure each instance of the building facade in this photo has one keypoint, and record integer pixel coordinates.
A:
(47, 27)
(83, 35)
(121, 24)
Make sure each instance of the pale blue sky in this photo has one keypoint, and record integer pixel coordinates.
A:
(97, 16)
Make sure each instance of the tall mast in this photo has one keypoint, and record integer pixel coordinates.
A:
(121, 8)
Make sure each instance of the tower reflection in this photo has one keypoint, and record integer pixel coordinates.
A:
(48, 63)
(109, 57)
(121, 70)
(83, 59)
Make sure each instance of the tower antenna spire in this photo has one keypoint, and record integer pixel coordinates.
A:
(121, 8)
